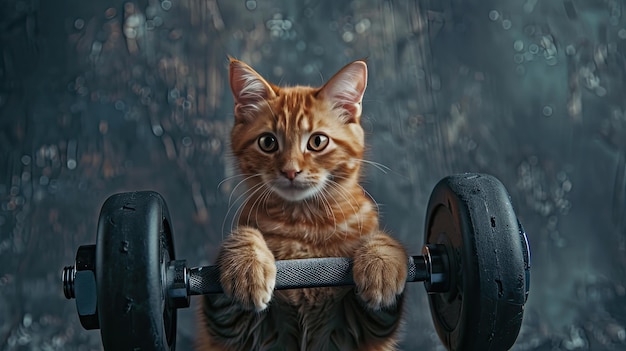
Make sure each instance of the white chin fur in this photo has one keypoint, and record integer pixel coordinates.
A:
(294, 194)
(297, 193)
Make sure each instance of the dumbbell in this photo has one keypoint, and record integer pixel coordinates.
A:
(475, 265)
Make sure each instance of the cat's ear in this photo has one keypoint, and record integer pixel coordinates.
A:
(250, 90)
(345, 90)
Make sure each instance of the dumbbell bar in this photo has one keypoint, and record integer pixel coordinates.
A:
(182, 282)
(475, 265)
(321, 272)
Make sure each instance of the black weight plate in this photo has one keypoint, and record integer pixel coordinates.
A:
(471, 214)
(133, 248)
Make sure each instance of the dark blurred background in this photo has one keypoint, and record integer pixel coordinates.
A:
(99, 97)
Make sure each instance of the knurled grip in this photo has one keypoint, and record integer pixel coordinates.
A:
(301, 273)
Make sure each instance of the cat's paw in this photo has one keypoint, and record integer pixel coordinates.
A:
(247, 268)
(380, 271)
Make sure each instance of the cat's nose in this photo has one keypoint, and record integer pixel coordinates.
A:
(290, 173)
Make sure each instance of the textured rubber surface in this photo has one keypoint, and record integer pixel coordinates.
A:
(133, 246)
(472, 215)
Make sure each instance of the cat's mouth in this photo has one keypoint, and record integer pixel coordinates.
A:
(296, 190)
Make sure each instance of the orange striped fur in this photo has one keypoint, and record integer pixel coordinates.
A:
(299, 150)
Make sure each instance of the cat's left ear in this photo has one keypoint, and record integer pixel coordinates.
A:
(345, 90)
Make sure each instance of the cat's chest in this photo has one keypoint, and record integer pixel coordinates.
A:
(305, 238)
(287, 247)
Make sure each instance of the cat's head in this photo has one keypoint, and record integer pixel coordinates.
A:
(298, 142)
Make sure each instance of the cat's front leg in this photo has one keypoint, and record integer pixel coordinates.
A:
(247, 268)
(380, 270)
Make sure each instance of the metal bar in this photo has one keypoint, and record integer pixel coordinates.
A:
(302, 273)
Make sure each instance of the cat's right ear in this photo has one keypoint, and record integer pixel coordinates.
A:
(250, 90)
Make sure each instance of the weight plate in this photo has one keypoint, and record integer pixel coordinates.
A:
(472, 216)
(134, 246)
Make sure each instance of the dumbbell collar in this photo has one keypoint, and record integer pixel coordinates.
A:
(177, 284)
(438, 268)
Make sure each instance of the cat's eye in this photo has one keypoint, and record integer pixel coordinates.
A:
(268, 142)
(317, 142)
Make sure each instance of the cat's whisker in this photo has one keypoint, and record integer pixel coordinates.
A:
(344, 193)
(263, 198)
(246, 193)
(327, 209)
(228, 212)
(259, 199)
(313, 212)
(342, 190)
(381, 167)
(346, 231)
(245, 205)
(330, 211)
(321, 201)
(232, 203)
(371, 198)
(248, 177)
(219, 185)
(252, 192)
(367, 193)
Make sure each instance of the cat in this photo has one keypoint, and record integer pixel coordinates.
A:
(300, 150)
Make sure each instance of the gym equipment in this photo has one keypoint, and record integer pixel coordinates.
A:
(475, 265)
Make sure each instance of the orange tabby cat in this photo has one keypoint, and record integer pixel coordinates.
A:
(300, 150)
